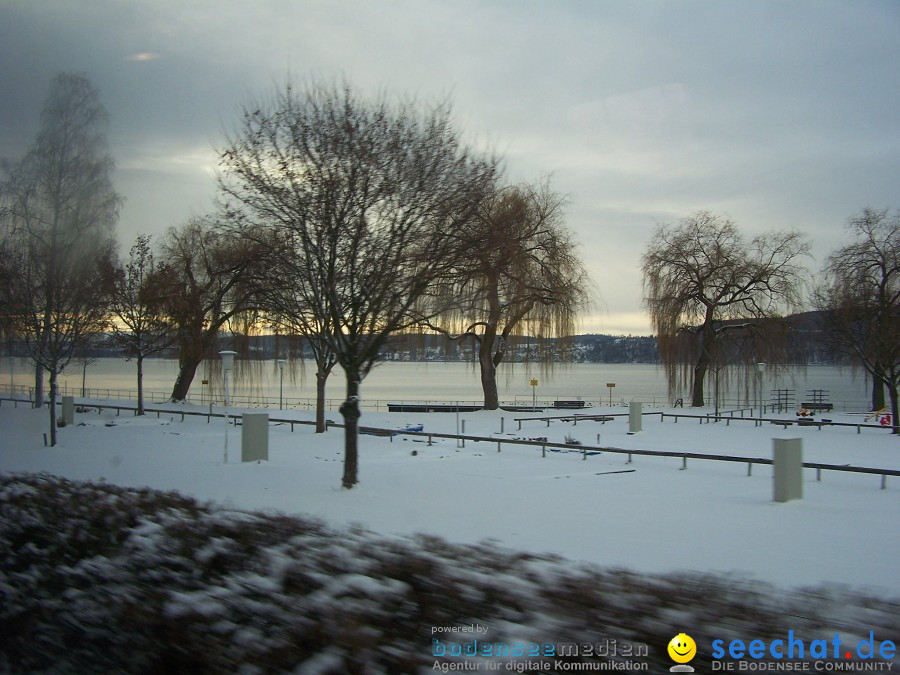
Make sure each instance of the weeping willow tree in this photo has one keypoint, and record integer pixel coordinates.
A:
(708, 289)
(208, 280)
(860, 298)
(735, 357)
(520, 272)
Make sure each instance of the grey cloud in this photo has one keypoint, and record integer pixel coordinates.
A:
(779, 114)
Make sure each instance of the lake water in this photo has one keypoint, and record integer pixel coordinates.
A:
(434, 381)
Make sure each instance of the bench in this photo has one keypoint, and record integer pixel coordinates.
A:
(568, 405)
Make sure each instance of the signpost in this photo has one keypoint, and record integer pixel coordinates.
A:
(534, 384)
(610, 385)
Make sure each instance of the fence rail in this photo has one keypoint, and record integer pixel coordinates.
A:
(543, 444)
(202, 396)
(800, 422)
(727, 417)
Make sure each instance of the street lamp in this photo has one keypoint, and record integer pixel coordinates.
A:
(759, 370)
(227, 365)
(281, 363)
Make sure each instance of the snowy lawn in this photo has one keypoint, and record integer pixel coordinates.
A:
(267, 591)
(99, 578)
(656, 517)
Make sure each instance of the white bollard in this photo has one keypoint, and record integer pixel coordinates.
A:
(68, 409)
(254, 437)
(788, 468)
(635, 419)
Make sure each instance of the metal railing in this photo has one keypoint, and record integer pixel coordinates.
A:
(785, 423)
(709, 418)
(201, 396)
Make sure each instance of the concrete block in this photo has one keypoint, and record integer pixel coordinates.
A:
(635, 419)
(254, 437)
(788, 469)
(68, 409)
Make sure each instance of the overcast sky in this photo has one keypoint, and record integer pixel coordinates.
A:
(778, 114)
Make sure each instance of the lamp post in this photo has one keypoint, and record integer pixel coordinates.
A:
(759, 370)
(227, 365)
(281, 386)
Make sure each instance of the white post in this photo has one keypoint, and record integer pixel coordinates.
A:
(68, 409)
(227, 365)
(787, 462)
(254, 437)
(635, 419)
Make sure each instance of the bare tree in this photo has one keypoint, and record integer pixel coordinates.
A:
(7, 277)
(703, 281)
(60, 210)
(861, 300)
(367, 195)
(143, 327)
(518, 270)
(284, 307)
(87, 353)
(207, 279)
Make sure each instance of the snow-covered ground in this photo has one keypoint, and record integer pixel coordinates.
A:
(648, 515)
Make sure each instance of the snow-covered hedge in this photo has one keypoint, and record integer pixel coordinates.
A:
(99, 578)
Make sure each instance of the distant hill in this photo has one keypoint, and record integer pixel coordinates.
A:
(808, 345)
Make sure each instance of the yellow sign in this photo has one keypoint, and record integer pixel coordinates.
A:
(610, 384)
(533, 383)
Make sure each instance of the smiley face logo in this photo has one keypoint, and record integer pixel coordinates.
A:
(682, 648)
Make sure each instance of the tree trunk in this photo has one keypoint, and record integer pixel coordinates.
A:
(488, 379)
(321, 379)
(892, 392)
(488, 367)
(699, 378)
(140, 383)
(716, 399)
(53, 378)
(878, 401)
(707, 349)
(350, 411)
(38, 386)
(186, 371)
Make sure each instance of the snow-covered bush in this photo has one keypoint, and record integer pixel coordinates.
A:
(98, 578)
